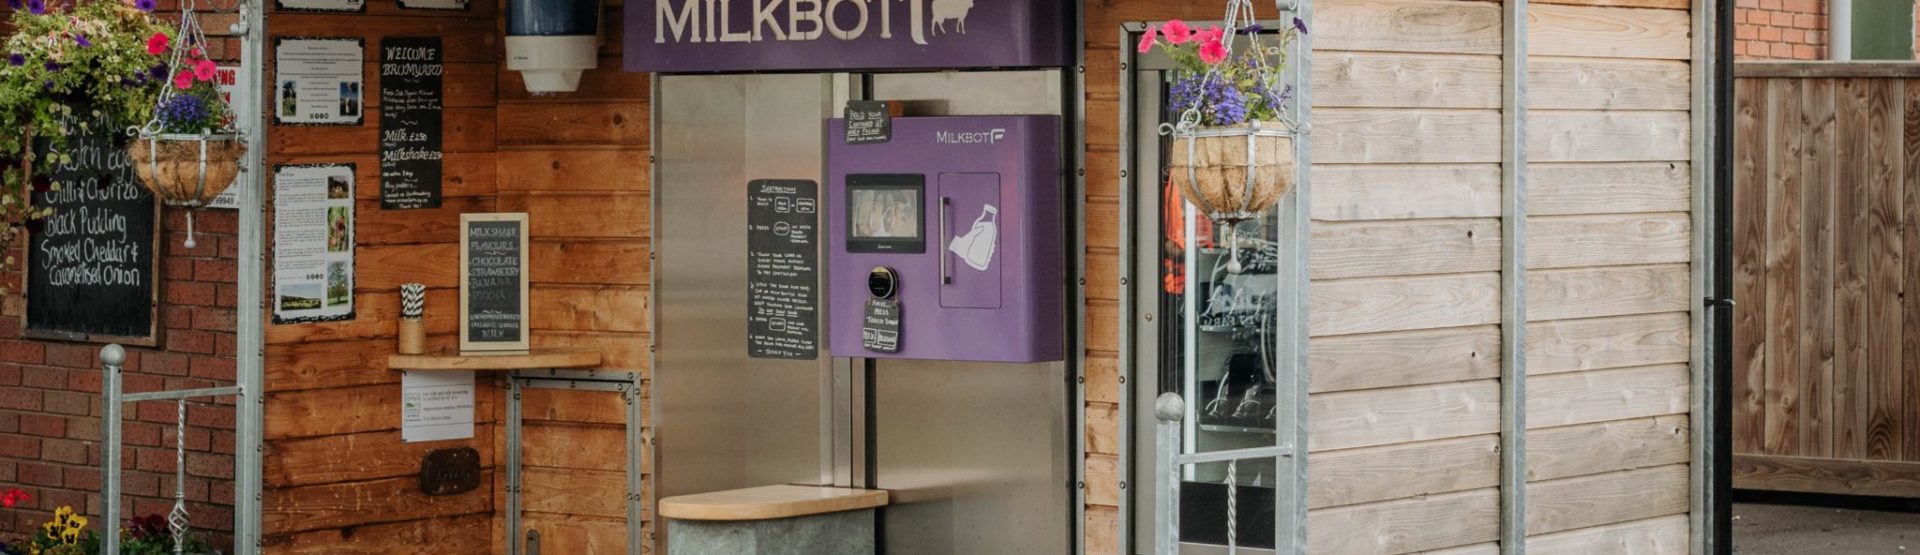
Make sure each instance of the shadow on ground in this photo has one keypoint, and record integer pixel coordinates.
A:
(1795, 530)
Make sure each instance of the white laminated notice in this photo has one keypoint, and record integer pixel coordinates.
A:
(436, 405)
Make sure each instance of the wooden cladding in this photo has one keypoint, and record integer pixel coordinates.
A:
(1826, 356)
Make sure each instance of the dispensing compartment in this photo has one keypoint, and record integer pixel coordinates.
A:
(970, 234)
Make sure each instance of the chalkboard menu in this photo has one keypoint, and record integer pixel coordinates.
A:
(410, 118)
(783, 261)
(869, 121)
(90, 266)
(493, 282)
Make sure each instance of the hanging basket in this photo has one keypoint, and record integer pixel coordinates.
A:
(1234, 173)
(187, 170)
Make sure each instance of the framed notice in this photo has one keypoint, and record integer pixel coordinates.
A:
(358, 6)
(493, 282)
(410, 122)
(91, 267)
(318, 81)
(313, 240)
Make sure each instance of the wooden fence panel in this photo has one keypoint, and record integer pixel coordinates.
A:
(1825, 355)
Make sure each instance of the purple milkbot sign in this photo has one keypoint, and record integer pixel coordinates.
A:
(706, 36)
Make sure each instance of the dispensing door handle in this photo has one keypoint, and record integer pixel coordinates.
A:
(946, 278)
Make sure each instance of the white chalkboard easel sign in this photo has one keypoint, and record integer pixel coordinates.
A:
(493, 282)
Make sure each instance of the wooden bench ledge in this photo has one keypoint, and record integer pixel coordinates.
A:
(770, 502)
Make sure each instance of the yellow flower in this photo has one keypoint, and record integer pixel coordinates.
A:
(70, 536)
(77, 523)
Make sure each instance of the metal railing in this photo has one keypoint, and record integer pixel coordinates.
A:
(1170, 409)
(113, 358)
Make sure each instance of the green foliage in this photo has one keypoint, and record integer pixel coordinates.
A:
(66, 68)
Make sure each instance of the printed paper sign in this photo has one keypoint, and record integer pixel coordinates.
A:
(435, 406)
(318, 81)
(313, 237)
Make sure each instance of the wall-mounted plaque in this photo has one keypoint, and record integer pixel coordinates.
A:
(493, 282)
(410, 122)
(91, 266)
(318, 81)
(783, 268)
(450, 471)
(445, 5)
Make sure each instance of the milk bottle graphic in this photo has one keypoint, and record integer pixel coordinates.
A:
(977, 246)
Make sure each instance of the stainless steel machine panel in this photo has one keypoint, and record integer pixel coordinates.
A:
(724, 420)
(978, 457)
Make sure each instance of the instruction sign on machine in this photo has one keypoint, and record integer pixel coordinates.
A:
(783, 260)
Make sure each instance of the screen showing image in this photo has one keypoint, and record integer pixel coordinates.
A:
(885, 213)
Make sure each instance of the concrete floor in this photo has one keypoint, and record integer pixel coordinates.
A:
(1793, 530)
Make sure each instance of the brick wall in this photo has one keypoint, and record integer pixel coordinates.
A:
(50, 397)
(1780, 29)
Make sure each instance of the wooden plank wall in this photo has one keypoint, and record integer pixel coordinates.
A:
(1406, 260)
(338, 479)
(1826, 355)
(577, 163)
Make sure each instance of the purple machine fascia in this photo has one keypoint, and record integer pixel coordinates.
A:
(1013, 310)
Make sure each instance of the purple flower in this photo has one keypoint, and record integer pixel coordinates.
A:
(16, 60)
(1300, 25)
(53, 66)
(145, 5)
(38, 7)
(47, 85)
(158, 71)
(184, 112)
(82, 41)
(1253, 29)
(14, 5)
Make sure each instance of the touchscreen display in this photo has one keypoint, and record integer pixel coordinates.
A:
(885, 212)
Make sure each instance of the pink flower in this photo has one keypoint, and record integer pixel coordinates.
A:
(1210, 34)
(157, 44)
(204, 70)
(1176, 31)
(183, 80)
(1146, 41)
(1213, 51)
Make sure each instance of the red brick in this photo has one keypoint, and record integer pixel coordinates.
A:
(176, 317)
(189, 341)
(140, 483)
(85, 478)
(1803, 6)
(204, 247)
(213, 368)
(10, 374)
(165, 364)
(210, 417)
(1771, 34)
(1805, 52)
(1782, 50)
(178, 269)
(43, 425)
(87, 382)
(1805, 21)
(87, 429)
(23, 351)
(9, 424)
(70, 403)
(20, 446)
(20, 399)
(64, 451)
(213, 319)
(72, 356)
(225, 345)
(154, 460)
(1759, 18)
(42, 377)
(1793, 36)
(190, 293)
(39, 474)
(214, 270)
(228, 297)
(210, 466)
(1770, 4)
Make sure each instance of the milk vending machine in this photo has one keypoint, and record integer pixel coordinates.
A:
(945, 240)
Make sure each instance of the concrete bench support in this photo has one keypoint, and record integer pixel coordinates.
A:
(773, 520)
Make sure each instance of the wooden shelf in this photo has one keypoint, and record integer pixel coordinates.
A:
(537, 359)
(770, 502)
